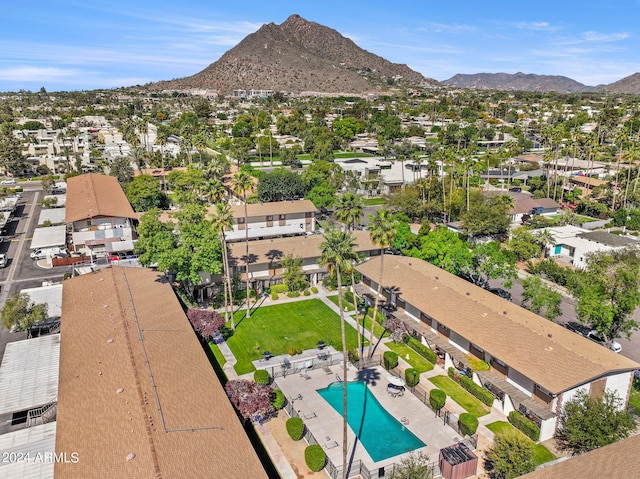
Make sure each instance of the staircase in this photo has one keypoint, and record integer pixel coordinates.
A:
(43, 414)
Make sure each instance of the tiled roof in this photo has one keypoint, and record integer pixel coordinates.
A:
(134, 380)
(615, 461)
(550, 355)
(274, 208)
(93, 195)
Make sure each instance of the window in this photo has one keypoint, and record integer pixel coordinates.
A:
(282, 217)
(240, 221)
(308, 214)
(269, 217)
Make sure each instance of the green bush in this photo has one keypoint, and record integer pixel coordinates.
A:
(295, 428)
(306, 292)
(390, 359)
(411, 377)
(477, 364)
(422, 350)
(274, 295)
(279, 288)
(468, 424)
(478, 391)
(348, 297)
(437, 399)
(314, 290)
(315, 457)
(525, 425)
(261, 376)
(292, 351)
(277, 399)
(451, 372)
(293, 294)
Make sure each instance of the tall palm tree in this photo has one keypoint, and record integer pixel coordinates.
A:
(349, 209)
(241, 183)
(337, 249)
(382, 233)
(223, 219)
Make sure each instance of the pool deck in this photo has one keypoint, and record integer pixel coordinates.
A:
(326, 424)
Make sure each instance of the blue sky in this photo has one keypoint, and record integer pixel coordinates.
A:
(82, 45)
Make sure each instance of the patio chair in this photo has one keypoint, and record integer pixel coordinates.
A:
(330, 444)
(326, 369)
(310, 415)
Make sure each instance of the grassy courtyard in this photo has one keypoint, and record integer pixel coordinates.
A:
(540, 453)
(410, 356)
(300, 324)
(460, 395)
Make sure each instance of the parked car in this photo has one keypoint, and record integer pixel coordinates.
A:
(503, 293)
(475, 279)
(596, 337)
(3, 260)
(8, 181)
(515, 189)
(42, 253)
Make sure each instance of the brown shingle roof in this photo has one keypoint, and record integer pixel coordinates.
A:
(302, 246)
(525, 205)
(550, 355)
(93, 195)
(615, 461)
(273, 208)
(114, 321)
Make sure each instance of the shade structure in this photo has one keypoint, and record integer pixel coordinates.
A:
(396, 381)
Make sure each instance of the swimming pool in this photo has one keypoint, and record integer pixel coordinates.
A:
(379, 432)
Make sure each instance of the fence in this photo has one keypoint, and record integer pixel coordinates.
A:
(303, 365)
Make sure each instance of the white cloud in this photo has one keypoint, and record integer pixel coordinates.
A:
(604, 37)
(31, 73)
(537, 26)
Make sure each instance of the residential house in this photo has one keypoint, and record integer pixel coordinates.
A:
(536, 366)
(572, 244)
(99, 216)
(268, 220)
(265, 268)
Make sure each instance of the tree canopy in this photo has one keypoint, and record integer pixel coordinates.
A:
(20, 311)
(510, 456)
(144, 193)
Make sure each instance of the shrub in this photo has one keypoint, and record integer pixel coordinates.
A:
(478, 391)
(261, 376)
(411, 377)
(451, 372)
(274, 296)
(277, 399)
(306, 292)
(315, 457)
(279, 288)
(423, 350)
(468, 424)
(292, 351)
(314, 290)
(437, 399)
(348, 297)
(295, 428)
(525, 425)
(390, 359)
(293, 294)
(226, 332)
(477, 364)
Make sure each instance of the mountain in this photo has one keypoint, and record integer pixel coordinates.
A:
(630, 84)
(297, 56)
(518, 81)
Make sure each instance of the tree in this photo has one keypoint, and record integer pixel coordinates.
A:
(487, 216)
(608, 293)
(540, 298)
(222, 219)
(348, 209)
(21, 312)
(587, 423)
(293, 275)
(322, 196)
(398, 329)
(337, 250)
(144, 193)
(206, 322)
(413, 466)
(241, 183)
(121, 168)
(382, 234)
(155, 238)
(281, 185)
(510, 456)
(253, 401)
(48, 181)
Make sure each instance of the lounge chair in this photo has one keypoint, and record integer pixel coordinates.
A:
(330, 444)
(310, 415)
(327, 369)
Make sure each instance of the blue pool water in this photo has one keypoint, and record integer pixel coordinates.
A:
(380, 434)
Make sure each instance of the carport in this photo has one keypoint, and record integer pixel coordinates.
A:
(49, 237)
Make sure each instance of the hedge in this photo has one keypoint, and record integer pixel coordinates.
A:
(525, 425)
(293, 294)
(315, 457)
(277, 399)
(279, 288)
(478, 391)
(423, 350)
(451, 372)
(390, 359)
(314, 290)
(468, 424)
(261, 376)
(411, 377)
(295, 428)
(274, 295)
(437, 399)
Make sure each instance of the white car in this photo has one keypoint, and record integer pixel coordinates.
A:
(595, 336)
(8, 181)
(3, 260)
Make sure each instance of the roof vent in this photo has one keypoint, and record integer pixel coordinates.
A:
(105, 306)
(109, 341)
(130, 456)
(549, 335)
(119, 391)
(468, 293)
(504, 312)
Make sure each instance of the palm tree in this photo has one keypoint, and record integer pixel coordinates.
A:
(241, 183)
(382, 233)
(223, 219)
(337, 249)
(544, 238)
(349, 209)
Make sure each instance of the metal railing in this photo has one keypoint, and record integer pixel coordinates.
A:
(43, 414)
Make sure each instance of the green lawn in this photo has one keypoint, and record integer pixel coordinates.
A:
(540, 455)
(374, 201)
(217, 354)
(415, 360)
(277, 328)
(345, 303)
(460, 395)
(634, 399)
